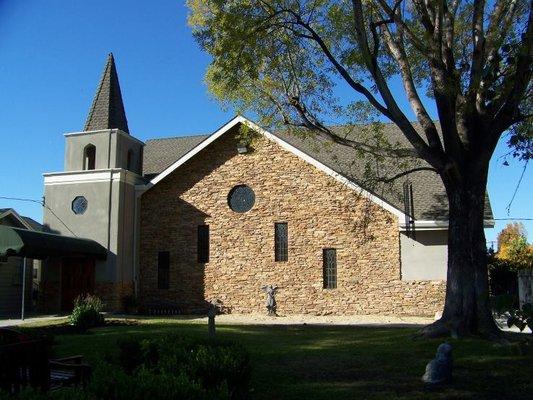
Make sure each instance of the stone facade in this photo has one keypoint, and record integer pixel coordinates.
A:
(320, 213)
(114, 294)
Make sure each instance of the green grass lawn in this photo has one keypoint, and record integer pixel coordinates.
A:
(335, 362)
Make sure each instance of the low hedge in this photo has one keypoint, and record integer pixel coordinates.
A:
(171, 367)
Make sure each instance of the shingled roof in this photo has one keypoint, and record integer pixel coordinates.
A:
(430, 200)
(107, 109)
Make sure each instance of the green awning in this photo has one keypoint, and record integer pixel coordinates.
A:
(40, 245)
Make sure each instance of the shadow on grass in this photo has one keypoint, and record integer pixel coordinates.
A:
(339, 362)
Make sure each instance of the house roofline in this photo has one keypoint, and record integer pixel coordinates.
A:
(97, 131)
(140, 189)
(434, 225)
(11, 211)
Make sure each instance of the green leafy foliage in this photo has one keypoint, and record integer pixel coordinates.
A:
(112, 383)
(87, 312)
(169, 367)
(215, 365)
(521, 318)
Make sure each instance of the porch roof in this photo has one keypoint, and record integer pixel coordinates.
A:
(40, 245)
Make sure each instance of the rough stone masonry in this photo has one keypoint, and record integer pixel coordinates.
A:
(320, 212)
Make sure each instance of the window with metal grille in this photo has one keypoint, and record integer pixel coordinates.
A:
(203, 243)
(281, 241)
(163, 266)
(329, 257)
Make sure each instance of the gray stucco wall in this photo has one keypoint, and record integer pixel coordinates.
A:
(107, 220)
(112, 147)
(75, 146)
(426, 257)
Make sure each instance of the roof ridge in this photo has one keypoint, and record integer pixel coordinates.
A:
(179, 137)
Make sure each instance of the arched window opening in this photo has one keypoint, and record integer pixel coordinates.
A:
(129, 163)
(89, 157)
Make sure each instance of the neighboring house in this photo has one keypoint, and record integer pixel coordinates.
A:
(190, 219)
(11, 270)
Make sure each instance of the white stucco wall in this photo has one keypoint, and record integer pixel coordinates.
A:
(425, 257)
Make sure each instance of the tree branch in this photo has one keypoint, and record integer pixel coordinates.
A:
(397, 50)
(517, 82)
(404, 173)
(433, 157)
(478, 41)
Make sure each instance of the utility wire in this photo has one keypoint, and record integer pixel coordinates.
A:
(513, 219)
(43, 204)
(517, 187)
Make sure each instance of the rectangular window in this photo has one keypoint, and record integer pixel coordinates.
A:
(163, 266)
(281, 241)
(203, 243)
(329, 257)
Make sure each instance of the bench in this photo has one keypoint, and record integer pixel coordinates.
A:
(68, 371)
(26, 362)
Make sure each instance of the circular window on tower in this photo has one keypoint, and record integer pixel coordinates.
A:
(79, 205)
(241, 198)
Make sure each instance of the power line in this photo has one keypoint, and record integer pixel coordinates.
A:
(21, 199)
(516, 188)
(513, 219)
(43, 204)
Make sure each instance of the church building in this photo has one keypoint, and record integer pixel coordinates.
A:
(192, 219)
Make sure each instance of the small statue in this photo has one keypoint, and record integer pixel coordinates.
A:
(271, 300)
(439, 370)
(211, 314)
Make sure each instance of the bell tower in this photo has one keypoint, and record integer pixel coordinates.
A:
(94, 197)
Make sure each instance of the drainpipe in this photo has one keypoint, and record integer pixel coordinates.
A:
(135, 239)
(23, 289)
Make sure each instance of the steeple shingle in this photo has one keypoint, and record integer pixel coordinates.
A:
(107, 109)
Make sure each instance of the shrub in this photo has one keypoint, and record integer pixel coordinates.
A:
(130, 354)
(502, 303)
(86, 313)
(112, 383)
(170, 367)
(218, 366)
(521, 318)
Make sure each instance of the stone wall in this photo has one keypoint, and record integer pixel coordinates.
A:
(113, 294)
(320, 212)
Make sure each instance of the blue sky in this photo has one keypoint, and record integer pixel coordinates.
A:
(52, 53)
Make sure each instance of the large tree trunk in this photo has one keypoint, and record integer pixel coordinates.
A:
(467, 306)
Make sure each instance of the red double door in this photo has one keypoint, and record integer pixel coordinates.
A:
(77, 278)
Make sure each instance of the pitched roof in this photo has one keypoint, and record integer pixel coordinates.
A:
(429, 197)
(107, 109)
(24, 221)
(160, 153)
(34, 224)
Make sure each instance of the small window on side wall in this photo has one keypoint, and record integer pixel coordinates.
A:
(329, 260)
(203, 243)
(163, 267)
(89, 157)
(129, 161)
(281, 241)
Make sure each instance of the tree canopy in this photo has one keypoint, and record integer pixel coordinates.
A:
(513, 246)
(290, 61)
(310, 64)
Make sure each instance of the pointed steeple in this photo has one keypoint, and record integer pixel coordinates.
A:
(107, 110)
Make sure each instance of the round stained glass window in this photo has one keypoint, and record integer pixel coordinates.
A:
(241, 198)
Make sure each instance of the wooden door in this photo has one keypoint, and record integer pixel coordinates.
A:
(77, 278)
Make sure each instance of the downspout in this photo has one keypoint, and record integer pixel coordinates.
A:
(23, 289)
(110, 193)
(135, 239)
